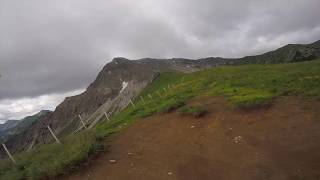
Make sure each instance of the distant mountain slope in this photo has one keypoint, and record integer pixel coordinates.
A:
(108, 94)
(7, 125)
(286, 54)
(14, 127)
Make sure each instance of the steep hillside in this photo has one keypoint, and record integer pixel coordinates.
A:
(265, 95)
(103, 95)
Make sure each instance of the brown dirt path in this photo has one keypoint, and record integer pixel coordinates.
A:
(278, 142)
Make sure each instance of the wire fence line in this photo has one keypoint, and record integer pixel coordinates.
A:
(97, 116)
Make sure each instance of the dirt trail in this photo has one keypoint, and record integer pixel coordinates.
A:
(278, 142)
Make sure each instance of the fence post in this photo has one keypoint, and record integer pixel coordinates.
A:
(165, 91)
(53, 135)
(159, 94)
(132, 103)
(149, 95)
(32, 143)
(106, 116)
(9, 154)
(83, 124)
(182, 79)
(142, 100)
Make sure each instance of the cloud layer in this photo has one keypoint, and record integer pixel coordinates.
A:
(16, 109)
(55, 47)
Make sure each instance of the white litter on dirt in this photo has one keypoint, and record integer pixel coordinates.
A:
(237, 139)
(112, 161)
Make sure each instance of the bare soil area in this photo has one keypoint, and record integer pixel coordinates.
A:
(279, 142)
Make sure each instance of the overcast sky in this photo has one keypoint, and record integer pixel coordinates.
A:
(52, 49)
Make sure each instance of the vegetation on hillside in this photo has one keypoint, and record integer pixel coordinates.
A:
(51, 159)
(196, 111)
(246, 86)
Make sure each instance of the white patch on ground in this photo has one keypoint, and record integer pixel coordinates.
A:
(237, 139)
(124, 86)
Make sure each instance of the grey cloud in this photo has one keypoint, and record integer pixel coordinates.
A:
(17, 109)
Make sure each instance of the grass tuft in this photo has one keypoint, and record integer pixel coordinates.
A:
(51, 159)
(195, 111)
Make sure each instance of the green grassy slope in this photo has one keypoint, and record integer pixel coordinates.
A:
(244, 86)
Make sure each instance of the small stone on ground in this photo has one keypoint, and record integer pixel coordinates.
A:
(112, 161)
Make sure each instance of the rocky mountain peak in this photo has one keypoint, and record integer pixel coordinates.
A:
(120, 59)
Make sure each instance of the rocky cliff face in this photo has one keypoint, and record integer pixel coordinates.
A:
(123, 79)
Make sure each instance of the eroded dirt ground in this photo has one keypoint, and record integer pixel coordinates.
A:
(277, 142)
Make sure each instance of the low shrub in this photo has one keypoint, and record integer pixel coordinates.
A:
(51, 159)
(195, 111)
